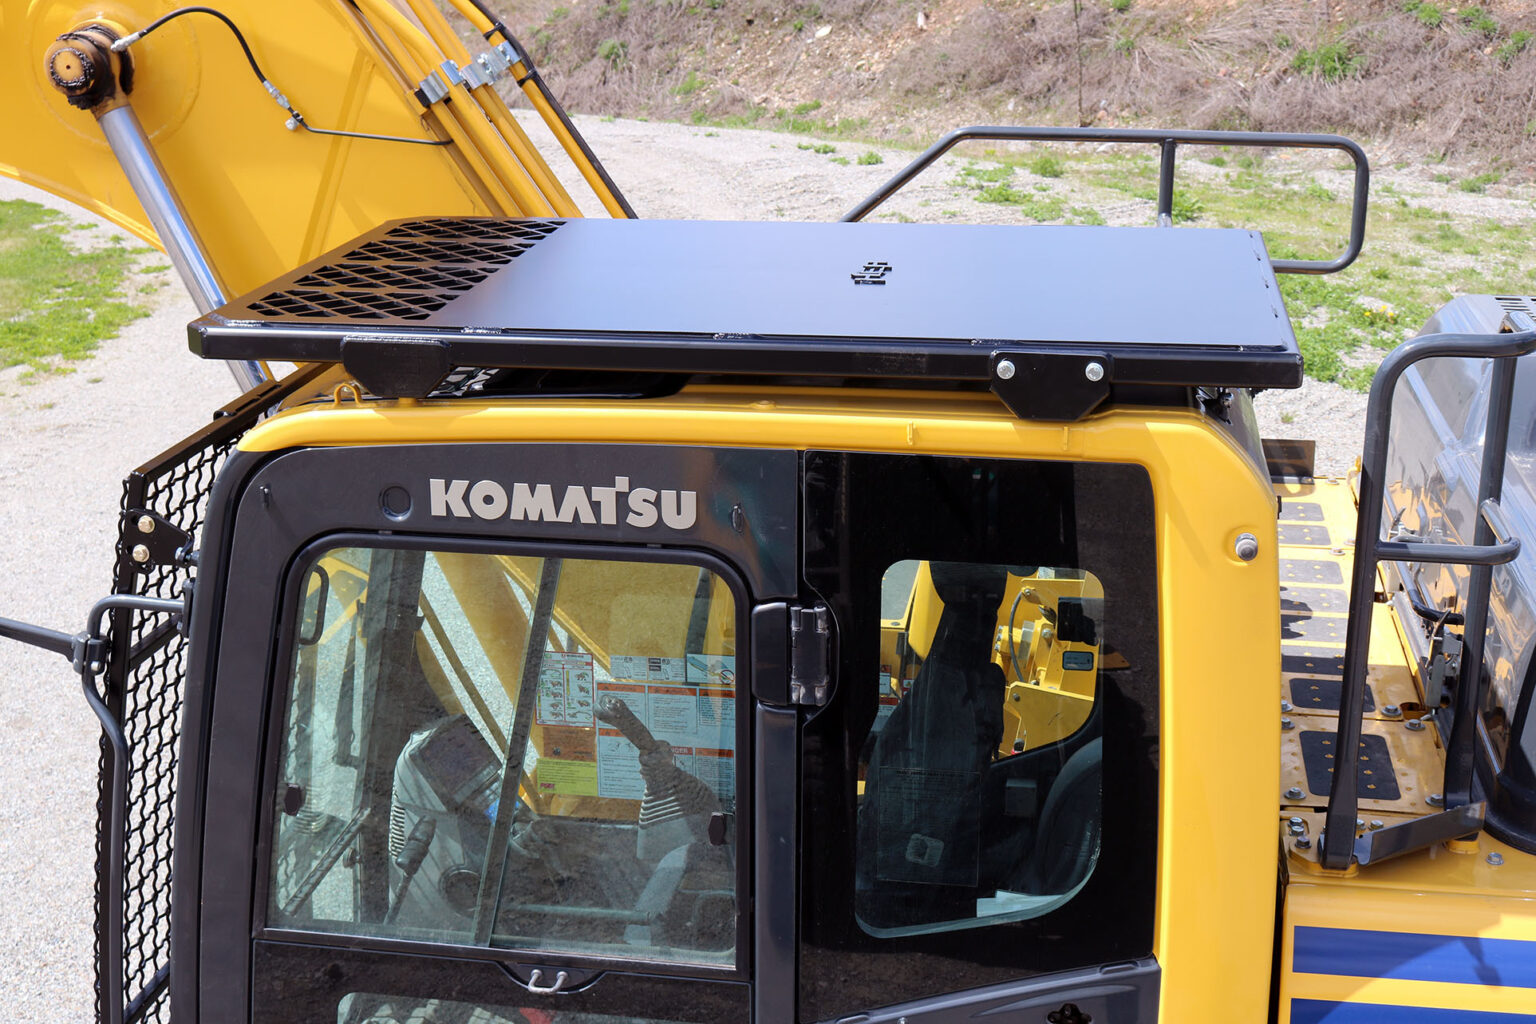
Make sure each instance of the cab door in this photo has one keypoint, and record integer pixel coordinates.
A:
(979, 805)
(484, 714)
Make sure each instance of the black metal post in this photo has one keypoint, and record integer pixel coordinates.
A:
(517, 750)
(1169, 149)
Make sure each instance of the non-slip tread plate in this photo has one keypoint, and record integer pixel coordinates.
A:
(1378, 777)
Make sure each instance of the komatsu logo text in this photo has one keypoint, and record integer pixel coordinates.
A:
(640, 507)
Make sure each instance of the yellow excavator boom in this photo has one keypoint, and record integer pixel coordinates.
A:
(263, 186)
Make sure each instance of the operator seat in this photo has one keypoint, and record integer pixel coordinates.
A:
(919, 826)
(1067, 843)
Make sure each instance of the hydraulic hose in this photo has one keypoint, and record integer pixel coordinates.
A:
(495, 108)
(548, 108)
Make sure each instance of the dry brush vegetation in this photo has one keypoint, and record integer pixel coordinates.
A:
(1420, 77)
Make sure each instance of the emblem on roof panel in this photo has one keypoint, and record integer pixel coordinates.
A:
(873, 273)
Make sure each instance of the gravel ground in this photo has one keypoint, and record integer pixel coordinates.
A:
(66, 441)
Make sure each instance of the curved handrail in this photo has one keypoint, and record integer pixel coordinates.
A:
(1168, 141)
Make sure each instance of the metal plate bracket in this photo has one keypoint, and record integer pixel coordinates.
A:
(1063, 386)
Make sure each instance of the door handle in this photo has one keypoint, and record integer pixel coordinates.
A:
(546, 990)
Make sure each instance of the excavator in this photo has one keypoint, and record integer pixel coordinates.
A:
(591, 619)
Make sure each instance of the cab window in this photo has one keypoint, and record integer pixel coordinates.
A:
(979, 791)
(509, 750)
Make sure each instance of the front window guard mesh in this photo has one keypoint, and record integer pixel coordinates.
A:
(141, 689)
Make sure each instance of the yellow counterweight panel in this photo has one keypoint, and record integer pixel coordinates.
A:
(1438, 930)
(1219, 616)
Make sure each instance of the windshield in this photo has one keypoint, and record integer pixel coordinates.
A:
(444, 779)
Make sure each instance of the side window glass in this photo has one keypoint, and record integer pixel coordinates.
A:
(980, 785)
(492, 749)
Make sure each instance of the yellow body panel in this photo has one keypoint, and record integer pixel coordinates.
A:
(1216, 876)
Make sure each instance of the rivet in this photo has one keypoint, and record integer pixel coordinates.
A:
(1303, 843)
(1094, 372)
(1286, 723)
(1435, 800)
(1415, 724)
(1359, 823)
(1376, 823)
(1391, 710)
(146, 524)
(140, 553)
(1296, 821)
(1297, 828)
(1285, 705)
(1005, 370)
(1294, 793)
(1247, 547)
(1495, 858)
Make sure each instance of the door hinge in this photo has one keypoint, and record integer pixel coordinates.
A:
(810, 655)
(152, 540)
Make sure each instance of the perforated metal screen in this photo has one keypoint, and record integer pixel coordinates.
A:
(409, 274)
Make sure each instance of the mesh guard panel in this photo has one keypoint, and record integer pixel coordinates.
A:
(409, 274)
(146, 670)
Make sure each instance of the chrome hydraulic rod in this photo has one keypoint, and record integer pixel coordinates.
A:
(137, 158)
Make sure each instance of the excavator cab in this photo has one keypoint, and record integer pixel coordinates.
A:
(490, 769)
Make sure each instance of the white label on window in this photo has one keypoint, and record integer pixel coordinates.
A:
(566, 690)
(618, 767)
(633, 668)
(712, 670)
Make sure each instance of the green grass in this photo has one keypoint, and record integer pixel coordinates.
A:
(1046, 166)
(614, 51)
(1186, 208)
(1429, 15)
(870, 158)
(56, 302)
(1035, 207)
(1514, 45)
(1479, 182)
(817, 147)
(1478, 20)
(1332, 62)
(689, 85)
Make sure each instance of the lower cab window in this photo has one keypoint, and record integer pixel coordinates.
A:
(375, 1008)
(490, 749)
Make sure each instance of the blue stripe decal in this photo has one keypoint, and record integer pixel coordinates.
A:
(1409, 956)
(1319, 1011)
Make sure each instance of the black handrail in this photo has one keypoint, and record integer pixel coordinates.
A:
(1491, 545)
(1168, 142)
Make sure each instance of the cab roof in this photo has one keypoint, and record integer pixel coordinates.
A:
(405, 304)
